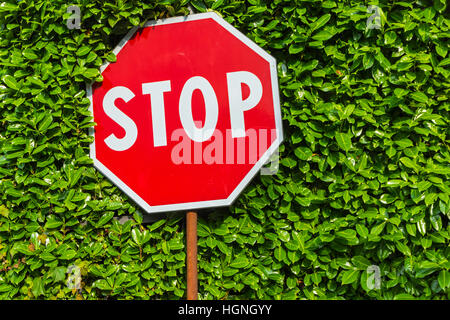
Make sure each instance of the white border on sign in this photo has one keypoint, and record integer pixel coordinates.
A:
(258, 165)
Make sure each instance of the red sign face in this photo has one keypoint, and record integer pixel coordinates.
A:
(187, 115)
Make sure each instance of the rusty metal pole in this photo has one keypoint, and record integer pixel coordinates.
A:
(191, 257)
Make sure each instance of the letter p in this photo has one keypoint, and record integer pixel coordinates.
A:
(237, 104)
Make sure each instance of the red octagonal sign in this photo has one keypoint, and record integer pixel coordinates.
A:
(187, 115)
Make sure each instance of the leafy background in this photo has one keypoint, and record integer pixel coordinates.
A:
(364, 170)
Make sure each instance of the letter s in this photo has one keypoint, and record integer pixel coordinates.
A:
(121, 118)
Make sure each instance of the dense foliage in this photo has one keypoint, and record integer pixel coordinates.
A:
(363, 184)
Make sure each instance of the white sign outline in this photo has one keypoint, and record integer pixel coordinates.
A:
(257, 166)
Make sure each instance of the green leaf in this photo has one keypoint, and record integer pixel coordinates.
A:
(419, 97)
(199, 5)
(4, 211)
(82, 51)
(111, 57)
(348, 111)
(104, 219)
(444, 279)
(376, 230)
(217, 4)
(29, 54)
(422, 227)
(14, 192)
(303, 153)
(404, 143)
(59, 274)
(319, 23)
(423, 185)
(403, 248)
(10, 82)
(350, 276)
(53, 222)
(409, 163)
(347, 234)
(310, 65)
(47, 256)
(362, 263)
(102, 285)
(288, 162)
(296, 48)
(344, 140)
(156, 225)
(316, 278)
(323, 35)
(383, 61)
(45, 123)
(390, 37)
(279, 253)
(444, 62)
(368, 61)
(430, 198)
(68, 254)
(362, 230)
(37, 81)
(239, 263)
(38, 287)
(136, 235)
(404, 296)
(8, 7)
(387, 198)
(91, 73)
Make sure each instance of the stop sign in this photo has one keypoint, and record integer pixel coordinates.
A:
(187, 115)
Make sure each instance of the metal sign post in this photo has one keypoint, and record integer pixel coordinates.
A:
(191, 257)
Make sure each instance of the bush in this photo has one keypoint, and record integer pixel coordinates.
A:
(362, 190)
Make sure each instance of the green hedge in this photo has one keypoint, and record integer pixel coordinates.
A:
(363, 178)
